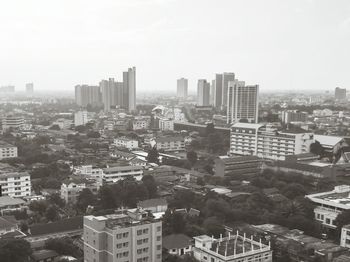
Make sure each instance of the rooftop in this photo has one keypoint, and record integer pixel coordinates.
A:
(14, 174)
(329, 141)
(65, 225)
(339, 197)
(247, 125)
(152, 202)
(109, 170)
(5, 144)
(10, 201)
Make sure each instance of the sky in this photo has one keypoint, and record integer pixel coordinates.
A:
(279, 44)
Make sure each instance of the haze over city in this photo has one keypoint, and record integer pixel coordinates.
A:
(280, 45)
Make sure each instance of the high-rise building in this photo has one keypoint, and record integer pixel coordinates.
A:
(203, 92)
(218, 91)
(87, 95)
(7, 89)
(30, 88)
(340, 93)
(226, 78)
(127, 235)
(212, 93)
(182, 88)
(242, 102)
(129, 89)
(81, 118)
(112, 93)
(289, 116)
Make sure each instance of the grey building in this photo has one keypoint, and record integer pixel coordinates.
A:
(182, 88)
(203, 92)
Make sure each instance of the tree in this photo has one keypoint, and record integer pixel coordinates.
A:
(63, 246)
(173, 223)
(51, 213)
(342, 219)
(15, 250)
(85, 198)
(294, 190)
(56, 200)
(153, 156)
(213, 226)
(151, 185)
(192, 157)
(55, 127)
(39, 206)
(317, 149)
(93, 134)
(209, 129)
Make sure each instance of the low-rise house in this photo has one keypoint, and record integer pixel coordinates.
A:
(154, 205)
(71, 188)
(177, 244)
(44, 255)
(7, 150)
(114, 174)
(170, 143)
(122, 155)
(7, 226)
(9, 204)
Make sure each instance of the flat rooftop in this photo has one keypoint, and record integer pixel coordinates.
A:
(339, 197)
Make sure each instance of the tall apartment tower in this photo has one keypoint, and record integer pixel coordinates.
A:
(29, 88)
(182, 88)
(130, 235)
(340, 93)
(112, 93)
(203, 92)
(212, 93)
(242, 102)
(218, 91)
(226, 78)
(129, 89)
(87, 95)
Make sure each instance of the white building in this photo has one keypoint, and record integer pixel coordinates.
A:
(12, 122)
(114, 174)
(166, 124)
(141, 123)
(170, 143)
(126, 143)
(70, 190)
(81, 118)
(16, 184)
(242, 102)
(89, 171)
(330, 204)
(267, 142)
(345, 236)
(63, 123)
(177, 244)
(7, 150)
(233, 248)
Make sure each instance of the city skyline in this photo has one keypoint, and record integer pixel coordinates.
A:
(293, 45)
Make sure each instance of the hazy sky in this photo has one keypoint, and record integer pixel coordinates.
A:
(278, 44)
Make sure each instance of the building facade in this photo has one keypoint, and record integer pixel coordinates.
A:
(129, 235)
(203, 92)
(16, 184)
(12, 122)
(242, 102)
(182, 88)
(29, 88)
(126, 143)
(170, 143)
(289, 116)
(226, 79)
(7, 150)
(114, 174)
(268, 142)
(340, 93)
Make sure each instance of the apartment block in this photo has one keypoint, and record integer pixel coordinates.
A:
(127, 235)
(7, 150)
(345, 236)
(12, 122)
(114, 174)
(16, 184)
(268, 142)
(170, 143)
(237, 166)
(126, 143)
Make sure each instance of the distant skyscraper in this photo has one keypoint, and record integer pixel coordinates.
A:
(111, 92)
(129, 89)
(7, 89)
(87, 95)
(218, 91)
(340, 93)
(182, 87)
(212, 93)
(226, 77)
(203, 92)
(242, 102)
(29, 88)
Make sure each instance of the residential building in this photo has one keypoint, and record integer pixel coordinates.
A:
(30, 88)
(289, 116)
(166, 124)
(242, 102)
(268, 142)
(340, 93)
(44, 255)
(71, 189)
(331, 144)
(7, 89)
(63, 123)
(7, 226)
(218, 91)
(7, 150)
(12, 122)
(129, 89)
(87, 95)
(232, 248)
(114, 174)
(128, 235)
(112, 93)
(170, 143)
(126, 142)
(226, 79)
(177, 244)
(182, 88)
(16, 184)
(81, 118)
(203, 92)
(345, 236)
(89, 171)
(237, 166)
(154, 205)
(141, 123)
(330, 204)
(10, 204)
